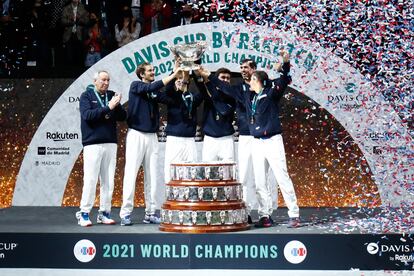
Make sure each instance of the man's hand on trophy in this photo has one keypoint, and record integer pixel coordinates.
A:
(178, 61)
(203, 72)
(197, 74)
(178, 71)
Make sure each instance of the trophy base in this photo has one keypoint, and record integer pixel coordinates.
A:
(203, 217)
(203, 198)
(204, 229)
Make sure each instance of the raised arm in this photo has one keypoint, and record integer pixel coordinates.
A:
(174, 74)
(280, 84)
(212, 82)
(221, 102)
(138, 87)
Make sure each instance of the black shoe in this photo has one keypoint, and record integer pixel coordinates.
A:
(294, 223)
(264, 222)
(249, 219)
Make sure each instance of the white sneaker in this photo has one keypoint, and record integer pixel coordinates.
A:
(105, 218)
(126, 221)
(83, 219)
(151, 219)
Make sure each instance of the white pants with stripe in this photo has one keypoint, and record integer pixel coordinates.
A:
(246, 173)
(99, 161)
(178, 149)
(218, 148)
(271, 152)
(141, 149)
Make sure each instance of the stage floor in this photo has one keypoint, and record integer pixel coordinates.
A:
(314, 221)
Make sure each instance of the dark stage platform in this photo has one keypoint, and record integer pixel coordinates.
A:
(313, 221)
(329, 239)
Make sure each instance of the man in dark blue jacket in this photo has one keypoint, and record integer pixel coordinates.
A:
(245, 140)
(181, 123)
(264, 125)
(142, 142)
(100, 108)
(218, 121)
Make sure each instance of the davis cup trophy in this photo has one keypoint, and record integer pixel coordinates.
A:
(203, 198)
(188, 53)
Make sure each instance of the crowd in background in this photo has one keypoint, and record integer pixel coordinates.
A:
(78, 33)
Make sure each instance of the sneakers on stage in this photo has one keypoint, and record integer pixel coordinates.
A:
(105, 218)
(83, 219)
(293, 223)
(126, 221)
(264, 222)
(152, 219)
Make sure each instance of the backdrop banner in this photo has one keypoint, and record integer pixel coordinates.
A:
(316, 72)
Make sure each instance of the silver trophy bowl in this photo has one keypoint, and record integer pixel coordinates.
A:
(189, 53)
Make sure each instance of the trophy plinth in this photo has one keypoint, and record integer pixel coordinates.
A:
(204, 198)
(189, 53)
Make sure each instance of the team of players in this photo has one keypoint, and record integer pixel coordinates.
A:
(255, 102)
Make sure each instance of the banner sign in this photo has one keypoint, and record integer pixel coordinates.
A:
(208, 251)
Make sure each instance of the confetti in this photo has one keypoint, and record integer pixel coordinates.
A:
(374, 37)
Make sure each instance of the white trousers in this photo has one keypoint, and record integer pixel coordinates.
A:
(218, 148)
(246, 174)
(141, 149)
(99, 161)
(271, 152)
(178, 149)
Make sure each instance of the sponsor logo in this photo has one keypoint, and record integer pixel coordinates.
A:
(402, 248)
(41, 150)
(350, 87)
(404, 258)
(61, 136)
(84, 251)
(53, 151)
(372, 248)
(349, 101)
(383, 136)
(72, 99)
(396, 252)
(47, 163)
(295, 252)
(8, 246)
